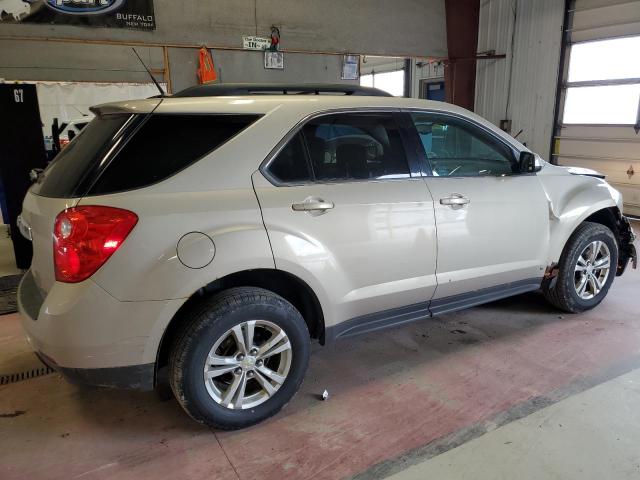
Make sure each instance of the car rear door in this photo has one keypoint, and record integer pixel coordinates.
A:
(492, 221)
(347, 211)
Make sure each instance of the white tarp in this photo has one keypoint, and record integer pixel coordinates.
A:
(71, 100)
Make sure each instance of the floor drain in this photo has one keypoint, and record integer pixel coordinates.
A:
(19, 377)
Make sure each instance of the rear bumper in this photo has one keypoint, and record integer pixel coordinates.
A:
(134, 377)
(92, 338)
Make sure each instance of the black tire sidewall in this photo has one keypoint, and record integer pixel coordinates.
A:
(577, 247)
(193, 386)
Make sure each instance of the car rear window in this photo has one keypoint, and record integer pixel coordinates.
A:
(164, 145)
(80, 159)
(114, 153)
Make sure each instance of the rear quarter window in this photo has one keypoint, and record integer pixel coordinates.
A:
(165, 144)
(78, 163)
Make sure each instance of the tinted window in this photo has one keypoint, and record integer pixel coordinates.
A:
(291, 165)
(64, 177)
(354, 146)
(457, 148)
(164, 145)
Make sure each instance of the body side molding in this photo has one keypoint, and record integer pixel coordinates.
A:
(420, 311)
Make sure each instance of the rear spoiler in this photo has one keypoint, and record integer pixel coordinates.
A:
(146, 105)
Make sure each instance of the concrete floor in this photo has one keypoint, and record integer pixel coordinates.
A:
(591, 435)
(445, 396)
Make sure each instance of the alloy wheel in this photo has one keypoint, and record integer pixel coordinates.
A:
(592, 269)
(248, 364)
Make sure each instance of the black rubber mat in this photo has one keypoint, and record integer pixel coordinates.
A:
(8, 293)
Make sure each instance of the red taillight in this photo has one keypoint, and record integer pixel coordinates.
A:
(85, 237)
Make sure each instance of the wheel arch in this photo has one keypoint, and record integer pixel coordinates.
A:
(289, 286)
(610, 217)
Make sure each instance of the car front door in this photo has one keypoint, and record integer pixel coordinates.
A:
(347, 212)
(492, 221)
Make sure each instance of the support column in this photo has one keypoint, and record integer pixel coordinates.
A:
(462, 18)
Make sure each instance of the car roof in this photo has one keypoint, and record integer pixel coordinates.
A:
(234, 89)
(296, 106)
(262, 104)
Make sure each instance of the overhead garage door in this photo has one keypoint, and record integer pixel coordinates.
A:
(600, 97)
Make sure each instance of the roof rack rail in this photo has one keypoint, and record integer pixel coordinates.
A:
(237, 89)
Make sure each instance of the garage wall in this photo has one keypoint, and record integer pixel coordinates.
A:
(611, 149)
(75, 62)
(408, 28)
(425, 70)
(520, 87)
(71, 100)
(241, 66)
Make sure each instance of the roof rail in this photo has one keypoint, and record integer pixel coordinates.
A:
(238, 89)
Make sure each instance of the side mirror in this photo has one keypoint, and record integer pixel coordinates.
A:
(527, 163)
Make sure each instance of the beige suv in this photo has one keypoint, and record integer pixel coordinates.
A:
(212, 234)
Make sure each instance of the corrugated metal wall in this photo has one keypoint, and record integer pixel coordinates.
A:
(522, 86)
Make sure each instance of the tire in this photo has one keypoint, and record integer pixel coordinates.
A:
(210, 400)
(563, 293)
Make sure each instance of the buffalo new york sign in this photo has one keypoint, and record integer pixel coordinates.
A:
(137, 14)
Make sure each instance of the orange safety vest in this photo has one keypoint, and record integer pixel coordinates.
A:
(206, 71)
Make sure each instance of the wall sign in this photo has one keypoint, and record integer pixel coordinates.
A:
(256, 43)
(135, 14)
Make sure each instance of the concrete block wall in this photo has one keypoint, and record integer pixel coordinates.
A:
(375, 27)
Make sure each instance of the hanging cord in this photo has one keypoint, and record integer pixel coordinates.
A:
(255, 15)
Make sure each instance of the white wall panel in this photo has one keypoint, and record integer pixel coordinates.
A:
(522, 86)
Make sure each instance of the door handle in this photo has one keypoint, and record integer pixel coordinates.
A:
(313, 205)
(455, 201)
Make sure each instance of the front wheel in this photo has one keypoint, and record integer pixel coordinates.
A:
(240, 357)
(586, 269)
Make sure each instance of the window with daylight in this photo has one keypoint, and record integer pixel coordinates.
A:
(604, 82)
(391, 82)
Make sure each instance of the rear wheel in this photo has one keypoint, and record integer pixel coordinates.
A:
(586, 269)
(240, 358)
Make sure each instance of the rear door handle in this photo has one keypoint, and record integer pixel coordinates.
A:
(455, 201)
(313, 205)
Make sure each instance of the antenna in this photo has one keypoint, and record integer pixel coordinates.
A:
(79, 111)
(162, 94)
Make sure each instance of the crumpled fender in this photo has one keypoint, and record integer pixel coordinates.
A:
(571, 199)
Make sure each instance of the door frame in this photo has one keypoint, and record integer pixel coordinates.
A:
(417, 144)
(406, 128)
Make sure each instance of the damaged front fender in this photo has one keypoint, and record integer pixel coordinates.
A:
(626, 237)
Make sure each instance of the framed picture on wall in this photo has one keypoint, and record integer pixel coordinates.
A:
(273, 60)
(350, 67)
